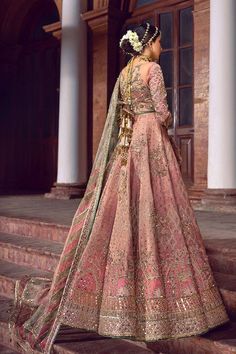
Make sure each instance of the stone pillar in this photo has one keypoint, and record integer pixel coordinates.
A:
(72, 140)
(222, 104)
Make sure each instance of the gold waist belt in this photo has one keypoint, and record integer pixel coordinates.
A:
(143, 112)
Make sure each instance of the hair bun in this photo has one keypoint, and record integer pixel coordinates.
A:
(135, 39)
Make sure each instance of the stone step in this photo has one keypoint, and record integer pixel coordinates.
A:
(225, 281)
(74, 341)
(222, 255)
(34, 228)
(27, 251)
(227, 285)
(224, 247)
(95, 344)
(229, 299)
(222, 263)
(10, 272)
(220, 340)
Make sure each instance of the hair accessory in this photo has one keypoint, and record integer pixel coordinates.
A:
(133, 39)
(155, 33)
(146, 32)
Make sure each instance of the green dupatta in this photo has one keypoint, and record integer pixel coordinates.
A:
(40, 303)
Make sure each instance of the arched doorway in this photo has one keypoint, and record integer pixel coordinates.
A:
(29, 94)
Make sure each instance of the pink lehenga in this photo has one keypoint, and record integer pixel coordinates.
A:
(134, 263)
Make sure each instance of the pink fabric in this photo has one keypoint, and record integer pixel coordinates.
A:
(145, 264)
(134, 265)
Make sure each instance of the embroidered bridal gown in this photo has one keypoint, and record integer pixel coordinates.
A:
(134, 263)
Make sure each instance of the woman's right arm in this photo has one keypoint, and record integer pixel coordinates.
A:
(159, 95)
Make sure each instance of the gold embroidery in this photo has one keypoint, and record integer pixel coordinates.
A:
(157, 160)
(152, 320)
(122, 192)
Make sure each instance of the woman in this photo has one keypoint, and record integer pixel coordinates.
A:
(134, 263)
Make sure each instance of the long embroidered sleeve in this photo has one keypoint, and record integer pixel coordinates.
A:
(158, 95)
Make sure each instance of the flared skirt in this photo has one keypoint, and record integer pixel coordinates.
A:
(145, 273)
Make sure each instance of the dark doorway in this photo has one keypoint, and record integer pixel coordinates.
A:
(29, 97)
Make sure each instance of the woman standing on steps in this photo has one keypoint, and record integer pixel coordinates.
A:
(134, 263)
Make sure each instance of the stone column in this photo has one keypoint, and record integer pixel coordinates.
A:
(222, 104)
(72, 140)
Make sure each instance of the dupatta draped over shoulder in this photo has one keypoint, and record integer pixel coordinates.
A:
(40, 304)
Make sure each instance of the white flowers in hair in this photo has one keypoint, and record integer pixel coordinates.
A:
(133, 39)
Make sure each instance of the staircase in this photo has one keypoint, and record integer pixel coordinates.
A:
(32, 247)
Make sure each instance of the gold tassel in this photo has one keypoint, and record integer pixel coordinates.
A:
(125, 136)
(126, 120)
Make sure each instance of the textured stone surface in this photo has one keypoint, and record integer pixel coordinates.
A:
(229, 298)
(28, 251)
(229, 209)
(37, 207)
(218, 341)
(223, 246)
(227, 284)
(226, 281)
(10, 272)
(89, 343)
(222, 263)
(222, 256)
(38, 216)
(217, 224)
(33, 228)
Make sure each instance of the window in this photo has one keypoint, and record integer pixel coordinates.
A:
(144, 2)
(175, 21)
